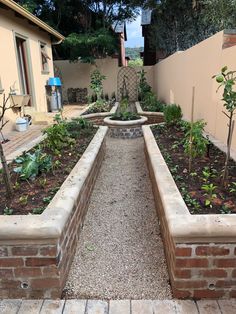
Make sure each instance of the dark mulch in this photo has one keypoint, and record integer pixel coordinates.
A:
(36, 194)
(170, 142)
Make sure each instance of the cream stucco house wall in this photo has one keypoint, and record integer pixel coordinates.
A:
(26, 60)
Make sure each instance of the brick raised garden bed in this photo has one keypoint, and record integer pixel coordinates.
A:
(200, 249)
(98, 118)
(152, 117)
(36, 251)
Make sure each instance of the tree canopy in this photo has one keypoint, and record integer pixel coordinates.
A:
(178, 25)
(87, 25)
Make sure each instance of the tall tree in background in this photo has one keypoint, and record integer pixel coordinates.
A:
(87, 25)
(178, 25)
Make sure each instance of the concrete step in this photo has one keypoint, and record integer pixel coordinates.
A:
(117, 306)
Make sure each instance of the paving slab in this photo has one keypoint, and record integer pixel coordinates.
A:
(141, 307)
(97, 307)
(30, 307)
(165, 306)
(185, 307)
(75, 307)
(208, 307)
(10, 306)
(52, 307)
(227, 306)
(119, 306)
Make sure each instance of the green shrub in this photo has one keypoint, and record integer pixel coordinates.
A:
(125, 116)
(150, 103)
(99, 106)
(58, 136)
(172, 114)
(199, 143)
(143, 87)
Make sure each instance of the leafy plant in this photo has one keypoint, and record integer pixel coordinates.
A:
(38, 210)
(32, 165)
(150, 103)
(233, 187)
(143, 87)
(172, 114)
(195, 144)
(124, 103)
(125, 116)
(58, 136)
(99, 106)
(96, 83)
(23, 200)
(7, 211)
(47, 199)
(42, 182)
(209, 188)
(227, 80)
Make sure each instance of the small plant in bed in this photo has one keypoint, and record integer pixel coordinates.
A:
(201, 187)
(150, 103)
(100, 106)
(125, 116)
(38, 174)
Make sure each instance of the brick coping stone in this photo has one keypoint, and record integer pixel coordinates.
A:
(148, 113)
(118, 123)
(99, 114)
(184, 227)
(51, 223)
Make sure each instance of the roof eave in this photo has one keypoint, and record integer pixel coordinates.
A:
(20, 10)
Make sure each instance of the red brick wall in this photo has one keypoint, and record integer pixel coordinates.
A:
(196, 270)
(229, 40)
(39, 268)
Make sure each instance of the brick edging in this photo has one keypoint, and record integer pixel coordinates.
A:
(200, 249)
(36, 251)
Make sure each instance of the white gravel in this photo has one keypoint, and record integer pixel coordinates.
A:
(120, 252)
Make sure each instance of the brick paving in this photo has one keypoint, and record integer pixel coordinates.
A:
(117, 307)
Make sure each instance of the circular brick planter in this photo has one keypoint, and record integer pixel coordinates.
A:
(125, 129)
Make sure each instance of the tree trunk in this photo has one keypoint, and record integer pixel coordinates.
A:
(6, 173)
(229, 140)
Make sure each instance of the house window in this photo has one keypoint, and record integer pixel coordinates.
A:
(44, 58)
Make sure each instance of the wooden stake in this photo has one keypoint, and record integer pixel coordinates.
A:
(191, 132)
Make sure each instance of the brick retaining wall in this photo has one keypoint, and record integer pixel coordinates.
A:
(35, 263)
(200, 249)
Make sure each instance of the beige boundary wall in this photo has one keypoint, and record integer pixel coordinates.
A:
(11, 26)
(175, 76)
(77, 74)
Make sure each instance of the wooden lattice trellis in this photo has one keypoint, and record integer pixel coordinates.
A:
(127, 79)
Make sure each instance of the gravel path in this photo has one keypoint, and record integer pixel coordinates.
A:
(120, 252)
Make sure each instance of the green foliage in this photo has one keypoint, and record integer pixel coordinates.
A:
(58, 136)
(150, 103)
(8, 211)
(79, 126)
(38, 210)
(125, 116)
(172, 114)
(138, 62)
(194, 142)
(209, 188)
(178, 25)
(91, 45)
(227, 80)
(96, 83)
(133, 53)
(99, 106)
(143, 86)
(232, 187)
(124, 105)
(33, 164)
